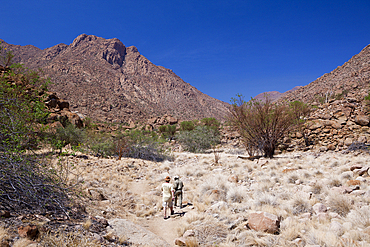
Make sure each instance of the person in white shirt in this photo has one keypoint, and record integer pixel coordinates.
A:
(168, 196)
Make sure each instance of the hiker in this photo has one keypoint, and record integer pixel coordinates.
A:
(168, 196)
(177, 186)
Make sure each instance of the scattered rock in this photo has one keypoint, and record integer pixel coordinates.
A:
(264, 222)
(319, 208)
(353, 182)
(233, 179)
(354, 167)
(180, 241)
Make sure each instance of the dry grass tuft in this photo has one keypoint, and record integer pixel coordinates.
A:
(192, 242)
(236, 194)
(341, 204)
(3, 235)
(70, 239)
(87, 224)
(22, 242)
(211, 232)
(300, 206)
(360, 217)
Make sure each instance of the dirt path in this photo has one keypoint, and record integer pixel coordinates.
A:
(166, 229)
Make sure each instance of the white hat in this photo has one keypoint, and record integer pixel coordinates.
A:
(175, 177)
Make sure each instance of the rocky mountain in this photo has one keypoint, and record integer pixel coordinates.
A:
(275, 95)
(351, 80)
(105, 80)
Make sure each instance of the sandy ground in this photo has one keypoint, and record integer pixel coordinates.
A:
(166, 229)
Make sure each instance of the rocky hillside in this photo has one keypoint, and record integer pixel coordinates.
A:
(351, 80)
(105, 80)
(341, 118)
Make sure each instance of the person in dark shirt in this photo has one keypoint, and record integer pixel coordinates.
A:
(178, 186)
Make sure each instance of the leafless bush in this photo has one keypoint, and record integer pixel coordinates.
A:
(262, 124)
(26, 186)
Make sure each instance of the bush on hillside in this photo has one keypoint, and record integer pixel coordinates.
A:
(187, 125)
(211, 122)
(199, 139)
(167, 131)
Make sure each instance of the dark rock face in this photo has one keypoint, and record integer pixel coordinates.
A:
(105, 80)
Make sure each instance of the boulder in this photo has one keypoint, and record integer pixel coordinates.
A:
(136, 234)
(171, 120)
(28, 231)
(264, 222)
(362, 120)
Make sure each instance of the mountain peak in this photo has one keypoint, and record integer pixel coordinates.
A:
(105, 80)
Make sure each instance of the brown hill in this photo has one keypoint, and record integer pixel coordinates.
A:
(105, 80)
(351, 80)
(275, 95)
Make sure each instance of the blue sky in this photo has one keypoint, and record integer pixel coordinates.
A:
(223, 48)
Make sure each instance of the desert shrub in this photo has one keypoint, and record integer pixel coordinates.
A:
(367, 102)
(145, 145)
(67, 135)
(199, 139)
(167, 131)
(262, 124)
(357, 146)
(340, 204)
(187, 125)
(266, 199)
(211, 122)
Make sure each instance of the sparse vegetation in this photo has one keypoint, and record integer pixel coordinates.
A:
(263, 124)
(199, 139)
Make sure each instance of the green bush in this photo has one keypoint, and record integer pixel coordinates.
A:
(211, 122)
(199, 139)
(187, 125)
(167, 131)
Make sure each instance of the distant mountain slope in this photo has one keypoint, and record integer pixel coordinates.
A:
(351, 80)
(105, 80)
(275, 95)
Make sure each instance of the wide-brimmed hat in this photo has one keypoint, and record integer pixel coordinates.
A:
(176, 177)
(167, 178)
